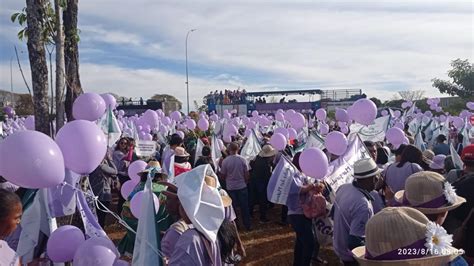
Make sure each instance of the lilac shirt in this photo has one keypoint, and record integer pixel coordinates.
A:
(395, 177)
(190, 250)
(351, 213)
(234, 168)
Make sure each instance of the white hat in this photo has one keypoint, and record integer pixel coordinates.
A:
(203, 204)
(365, 168)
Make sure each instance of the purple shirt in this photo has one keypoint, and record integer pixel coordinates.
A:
(395, 176)
(168, 242)
(167, 154)
(190, 250)
(234, 167)
(351, 213)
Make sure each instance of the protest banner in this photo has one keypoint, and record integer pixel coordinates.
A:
(285, 182)
(145, 148)
(374, 132)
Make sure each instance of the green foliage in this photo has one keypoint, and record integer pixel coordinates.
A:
(377, 102)
(462, 84)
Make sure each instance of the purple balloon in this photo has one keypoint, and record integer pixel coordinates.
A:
(282, 131)
(292, 133)
(278, 141)
(31, 159)
(214, 117)
(109, 100)
(203, 124)
(88, 106)
(323, 129)
(280, 116)
(397, 113)
(136, 204)
(30, 122)
(254, 113)
(458, 122)
(150, 117)
(127, 188)
(404, 105)
(336, 143)
(384, 112)
(341, 115)
(121, 112)
(298, 121)
(64, 242)
(190, 124)
(442, 118)
(344, 129)
(180, 133)
(289, 114)
(399, 125)
(314, 163)
(95, 251)
(83, 145)
(176, 115)
(321, 114)
(166, 121)
(395, 136)
(470, 105)
(134, 168)
(364, 111)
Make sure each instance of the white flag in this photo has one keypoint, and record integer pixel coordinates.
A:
(314, 140)
(251, 148)
(456, 158)
(374, 132)
(199, 146)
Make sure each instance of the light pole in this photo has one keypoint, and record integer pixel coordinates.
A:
(11, 82)
(187, 80)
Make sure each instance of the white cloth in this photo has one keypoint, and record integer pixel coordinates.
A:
(8, 257)
(202, 204)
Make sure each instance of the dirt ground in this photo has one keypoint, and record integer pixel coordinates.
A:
(267, 244)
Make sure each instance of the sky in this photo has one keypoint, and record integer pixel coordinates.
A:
(137, 48)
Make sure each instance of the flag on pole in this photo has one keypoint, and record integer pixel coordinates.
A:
(215, 151)
(456, 158)
(91, 226)
(419, 143)
(109, 125)
(251, 148)
(146, 245)
(199, 146)
(374, 132)
(314, 140)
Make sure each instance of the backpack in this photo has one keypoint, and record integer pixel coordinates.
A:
(314, 205)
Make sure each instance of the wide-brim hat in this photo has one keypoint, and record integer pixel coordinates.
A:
(394, 232)
(438, 162)
(154, 166)
(267, 151)
(429, 192)
(365, 168)
(180, 152)
(211, 181)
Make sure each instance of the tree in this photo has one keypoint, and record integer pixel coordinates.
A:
(462, 75)
(202, 108)
(71, 56)
(23, 105)
(377, 102)
(60, 73)
(166, 98)
(35, 12)
(411, 95)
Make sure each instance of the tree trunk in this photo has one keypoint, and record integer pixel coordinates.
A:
(71, 56)
(35, 13)
(60, 82)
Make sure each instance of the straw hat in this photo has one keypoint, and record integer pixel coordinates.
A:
(429, 192)
(365, 168)
(428, 154)
(400, 236)
(153, 166)
(438, 162)
(211, 181)
(180, 152)
(267, 151)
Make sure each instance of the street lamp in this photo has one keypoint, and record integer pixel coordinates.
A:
(11, 81)
(187, 80)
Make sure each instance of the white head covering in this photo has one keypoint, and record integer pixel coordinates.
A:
(202, 204)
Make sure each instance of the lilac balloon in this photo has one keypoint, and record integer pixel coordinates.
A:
(180, 133)
(203, 124)
(428, 114)
(399, 125)
(227, 138)
(166, 121)
(95, 251)
(31, 159)
(134, 168)
(458, 122)
(64, 242)
(30, 122)
(364, 111)
(292, 133)
(151, 118)
(227, 115)
(278, 141)
(470, 105)
(439, 109)
(336, 143)
(109, 100)
(214, 117)
(148, 137)
(254, 113)
(395, 136)
(397, 113)
(321, 114)
(341, 115)
(314, 163)
(384, 112)
(251, 125)
(442, 118)
(127, 188)
(83, 145)
(88, 106)
(247, 133)
(324, 129)
(282, 131)
(289, 114)
(9, 111)
(298, 121)
(136, 204)
(280, 117)
(121, 112)
(404, 105)
(344, 129)
(176, 115)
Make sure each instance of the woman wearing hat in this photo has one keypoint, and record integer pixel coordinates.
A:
(164, 220)
(405, 236)
(261, 172)
(353, 208)
(181, 161)
(437, 164)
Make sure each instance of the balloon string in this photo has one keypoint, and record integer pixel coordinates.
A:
(103, 208)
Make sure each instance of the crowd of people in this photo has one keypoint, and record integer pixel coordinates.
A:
(399, 209)
(226, 97)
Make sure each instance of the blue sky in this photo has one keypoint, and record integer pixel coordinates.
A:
(136, 48)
